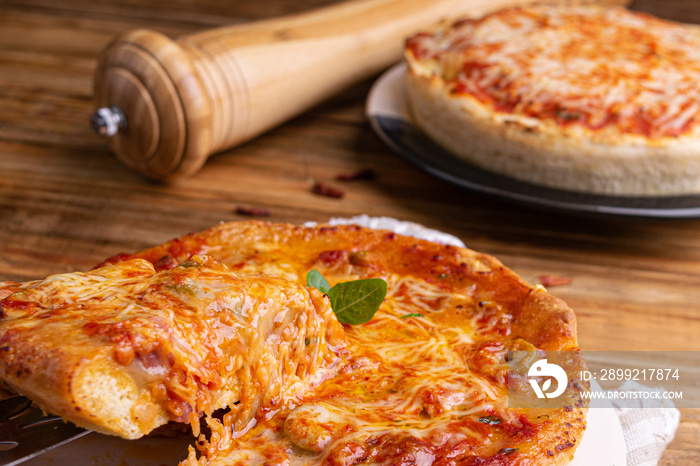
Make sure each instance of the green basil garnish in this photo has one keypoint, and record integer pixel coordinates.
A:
(353, 302)
(316, 280)
(356, 302)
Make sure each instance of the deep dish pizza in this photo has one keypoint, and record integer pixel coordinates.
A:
(124, 349)
(592, 99)
(425, 381)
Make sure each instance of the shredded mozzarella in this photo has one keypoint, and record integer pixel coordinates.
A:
(587, 65)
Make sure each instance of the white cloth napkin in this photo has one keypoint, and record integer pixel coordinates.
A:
(648, 425)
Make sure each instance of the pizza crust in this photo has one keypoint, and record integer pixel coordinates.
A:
(544, 152)
(93, 392)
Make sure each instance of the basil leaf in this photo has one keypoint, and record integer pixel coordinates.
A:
(353, 302)
(357, 301)
(316, 280)
(413, 314)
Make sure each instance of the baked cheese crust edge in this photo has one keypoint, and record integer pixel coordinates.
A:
(553, 330)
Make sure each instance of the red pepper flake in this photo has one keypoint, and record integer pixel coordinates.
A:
(334, 256)
(252, 211)
(121, 257)
(324, 189)
(166, 262)
(365, 174)
(554, 280)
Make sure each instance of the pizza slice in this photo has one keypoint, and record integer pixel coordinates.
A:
(124, 349)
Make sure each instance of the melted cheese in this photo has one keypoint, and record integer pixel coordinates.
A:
(411, 381)
(583, 66)
(413, 386)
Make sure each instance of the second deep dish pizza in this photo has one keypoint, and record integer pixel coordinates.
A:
(590, 99)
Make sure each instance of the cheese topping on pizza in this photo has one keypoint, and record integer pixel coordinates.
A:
(424, 381)
(197, 326)
(124, 349)
(589, 66)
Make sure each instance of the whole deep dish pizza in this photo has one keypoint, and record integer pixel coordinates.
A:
(591, 99)
(223, 319)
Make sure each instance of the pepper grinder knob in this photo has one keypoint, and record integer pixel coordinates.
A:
(108, 121)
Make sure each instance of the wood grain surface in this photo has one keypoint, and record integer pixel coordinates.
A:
(66, 203)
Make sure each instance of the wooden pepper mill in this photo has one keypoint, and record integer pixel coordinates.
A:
(169, 104)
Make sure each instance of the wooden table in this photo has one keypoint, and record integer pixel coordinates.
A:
(66, 203)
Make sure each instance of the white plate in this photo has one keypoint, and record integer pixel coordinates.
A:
(388, 113)
(603, 442)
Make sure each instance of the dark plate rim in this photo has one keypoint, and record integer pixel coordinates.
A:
(398, 132)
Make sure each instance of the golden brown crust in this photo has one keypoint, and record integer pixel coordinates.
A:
(574, 138)
(260, 245)
(94, 393)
